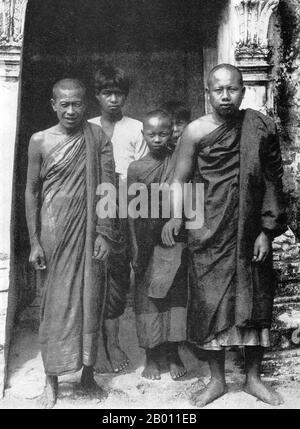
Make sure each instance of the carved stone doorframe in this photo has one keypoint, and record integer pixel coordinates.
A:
(253, 49)
(12, 20)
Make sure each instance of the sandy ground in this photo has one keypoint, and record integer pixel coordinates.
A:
(129, 390)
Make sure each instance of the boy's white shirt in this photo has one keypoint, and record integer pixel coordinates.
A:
(128, 142)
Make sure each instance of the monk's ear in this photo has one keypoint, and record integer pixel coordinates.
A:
(243, 91)
(207, 91)
(53, 104)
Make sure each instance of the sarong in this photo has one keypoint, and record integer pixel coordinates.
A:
(160, 308)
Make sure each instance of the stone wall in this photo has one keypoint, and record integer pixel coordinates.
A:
(287, 101)
(283, 359)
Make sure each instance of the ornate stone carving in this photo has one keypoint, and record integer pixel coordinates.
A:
(12, 16)
(253, 23)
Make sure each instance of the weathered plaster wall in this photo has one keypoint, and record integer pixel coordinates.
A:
(8, 118)
(8, 123)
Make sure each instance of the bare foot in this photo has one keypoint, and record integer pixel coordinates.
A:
(214, 390)
(102, 364)
(151, 370)
(118, 359)
(255, 387)
(89, 384)
(49, 395)
(176, 366)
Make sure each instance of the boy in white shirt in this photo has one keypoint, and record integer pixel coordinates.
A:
(125, 133)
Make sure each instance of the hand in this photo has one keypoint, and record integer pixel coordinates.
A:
(170, 229)
(262, 247)
(134, 257)
(37, 257)
(102, 248)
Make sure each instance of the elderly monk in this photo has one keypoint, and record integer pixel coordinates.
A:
(236, 154)
(68, 242)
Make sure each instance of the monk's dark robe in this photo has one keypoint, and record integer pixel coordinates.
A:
(160, 309)
(73, 282)
(241, 168)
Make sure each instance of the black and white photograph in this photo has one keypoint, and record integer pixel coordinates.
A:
(150, 206)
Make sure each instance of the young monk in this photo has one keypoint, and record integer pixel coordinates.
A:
(236, 154)
(111, 89)
(161, 273)
(181, 116)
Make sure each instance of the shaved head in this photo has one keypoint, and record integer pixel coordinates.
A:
(229, 68)
(68, 84)
(157, 116)
(157, 132)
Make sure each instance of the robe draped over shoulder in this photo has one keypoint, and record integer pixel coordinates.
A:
(73, 283)
(161, 279)
(241, 168)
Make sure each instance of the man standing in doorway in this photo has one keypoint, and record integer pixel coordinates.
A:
(65, 165)
(236, 154)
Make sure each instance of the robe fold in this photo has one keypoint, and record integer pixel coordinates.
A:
(160, 294)
(241, 168)
(74, 286)
(128, 145)
(118, 273)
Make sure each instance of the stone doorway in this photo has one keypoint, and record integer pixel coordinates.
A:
(167, 49)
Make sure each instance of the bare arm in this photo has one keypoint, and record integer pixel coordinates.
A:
(33, 189)
(185, 156)
(182, 174)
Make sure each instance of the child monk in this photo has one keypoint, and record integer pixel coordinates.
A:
(161, 272)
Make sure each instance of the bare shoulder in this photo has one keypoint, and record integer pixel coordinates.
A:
(198, 129)
(36, 142)
(40, 140)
